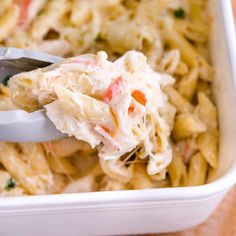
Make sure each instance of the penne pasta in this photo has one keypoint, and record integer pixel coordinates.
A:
(176, 40)
(81, 12)
(61, 166)
(207, 111)
(53, 11)
(12, 161)
(197, 170)
(66, 147)
(192, 31)
(208, 145)
(9, 186)
(33, 154)
(108, 184)
(60, 182)
(177, 170)
(117, 170)
(140, 179)
(84, 184)
(85, 108)
(188, 52)
(187, 125)
(170, 61)
(8, 21)
(4, 5)
(182, 68)
(204, 87)
(188, 84)
(180, 103)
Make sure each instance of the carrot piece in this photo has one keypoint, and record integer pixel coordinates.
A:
(113, 90)
(139, 96)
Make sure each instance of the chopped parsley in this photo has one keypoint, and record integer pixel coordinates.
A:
(5, 81)
(179, 13)
(11, 183)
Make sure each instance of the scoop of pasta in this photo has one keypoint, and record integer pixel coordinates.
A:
(114, 106)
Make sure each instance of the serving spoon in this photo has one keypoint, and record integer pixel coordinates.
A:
(19, 125)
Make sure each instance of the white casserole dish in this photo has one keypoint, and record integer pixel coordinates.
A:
(143, 211)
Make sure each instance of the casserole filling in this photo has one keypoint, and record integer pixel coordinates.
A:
(135, 121)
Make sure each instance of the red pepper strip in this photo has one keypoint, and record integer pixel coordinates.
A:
(24, 9)
(106, 130)
(113, 90)
(139, 96)
(131, 108)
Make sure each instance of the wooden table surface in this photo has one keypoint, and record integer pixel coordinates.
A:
(221, 223)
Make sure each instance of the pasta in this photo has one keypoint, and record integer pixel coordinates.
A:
(177, 170)
(188, 84)
(183, 131)
(12, 161)
(8, 21)
(208, 142)
(197, 170)
(33, 155)
(187, 125)
(140, 179)
(180, 102)
(61, 166)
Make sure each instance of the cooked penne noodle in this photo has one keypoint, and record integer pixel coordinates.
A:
(177, 170)
(182, 68)
(197, 170)
(66, 147)
(188, 84)
(181, 103)
(176, 40)
(84, 184)
(204, 87)
(61, 166)
(191, 30)
(187, 125)
(117, 170)
(8, 185)
(207, 111)
(140, 179)
(170, 61)
(81, 12)
(60, 182)
(4, 5)
(8, 21)
(208, 145)
(33, 154)
(12, 161)
(108, 184)
(188, 52)
(46, 19)
(89, 108)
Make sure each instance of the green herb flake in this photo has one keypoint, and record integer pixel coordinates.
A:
(5, 81)
(11, 183)
(179, 13)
